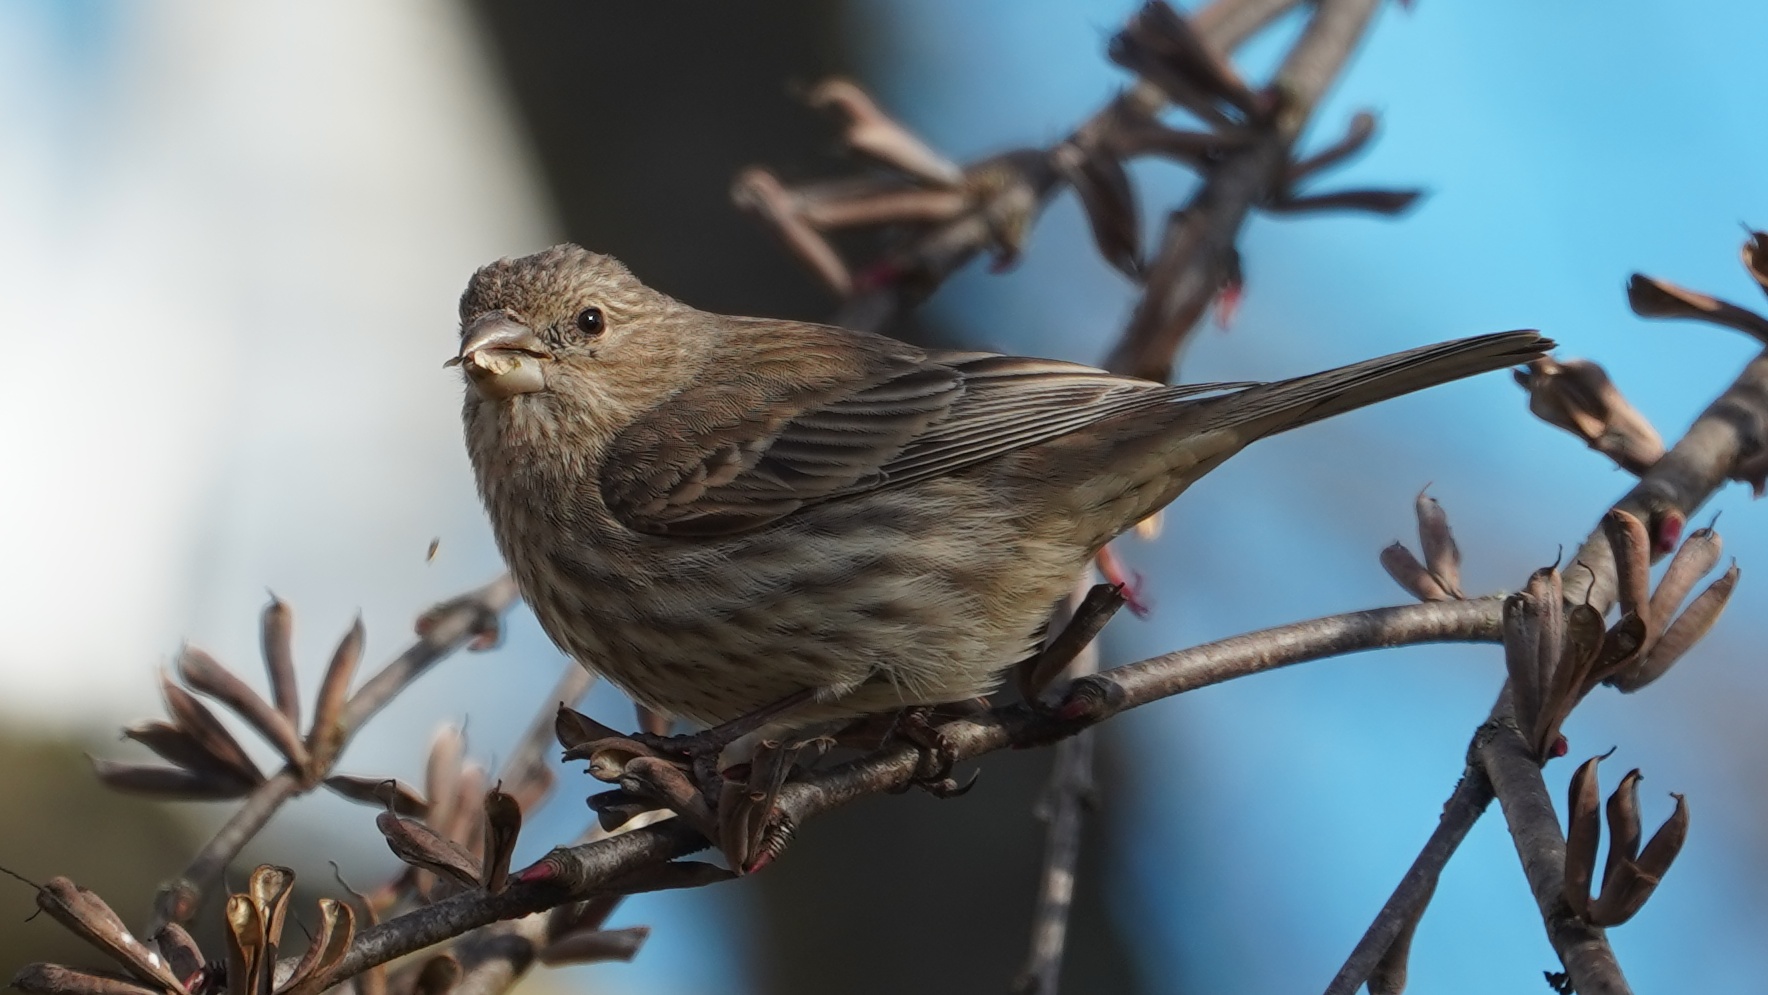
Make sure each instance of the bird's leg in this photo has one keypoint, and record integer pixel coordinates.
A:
(1036, 673)
(933, 770)
(700, 750)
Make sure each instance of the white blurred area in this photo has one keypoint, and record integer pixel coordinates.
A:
(231, 239)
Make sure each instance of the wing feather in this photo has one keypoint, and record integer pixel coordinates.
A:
(763, 433)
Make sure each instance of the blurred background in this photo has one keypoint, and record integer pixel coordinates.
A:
(231, 240)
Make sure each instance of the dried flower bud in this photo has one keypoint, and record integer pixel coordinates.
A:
(1412, 575)
(245, 946)
(1755, 258)
(383, 792)
(760, 193)
(279, 659)
(1696, 557)
(653, 777)
(326, 949)
(1441, 556)
(616, 808)
(1583, 835)
(1623, 824)
(206, 676)
(1578, 396)
(195, 719)
(573, 728)
(180, 952)
(1160, 45)
(1356, 137)
(1653, 298)
(1689, 628)
(53, 979)
(503, 823)
(1387, 203)
(91, 919)
(270, 888)
(591, 946)
(1625, 891)
(1632, 550)
(872, 132)
(1108, 198)
(326, 737)
(422, 847)
(442, 771)
(168, 783)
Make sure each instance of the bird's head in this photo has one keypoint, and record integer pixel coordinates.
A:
(562, 322)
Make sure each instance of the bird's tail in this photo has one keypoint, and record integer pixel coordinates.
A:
(1270, 408)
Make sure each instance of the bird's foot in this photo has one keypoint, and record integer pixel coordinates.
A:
(938, 753)
(699, 752)
(752, 830)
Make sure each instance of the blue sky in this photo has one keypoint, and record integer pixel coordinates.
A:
(1564, 146)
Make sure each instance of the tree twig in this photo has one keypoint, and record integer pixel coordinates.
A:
(1534, 828)
(1070, 792)
(451, 627)
(1727, 439)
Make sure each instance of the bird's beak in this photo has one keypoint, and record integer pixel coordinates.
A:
(501, 356)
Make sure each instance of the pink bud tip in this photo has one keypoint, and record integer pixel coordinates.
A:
(1560, 747)
(1669, 532)
(535, 873)
(877, 276)
(1227, 304)
(1069, 711)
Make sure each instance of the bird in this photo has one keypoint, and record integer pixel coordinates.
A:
(719, 514)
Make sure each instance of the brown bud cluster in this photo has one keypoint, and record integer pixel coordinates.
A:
(1438, 576)
(1577, 395)
(1557, 654)
(208, 762)
(1631, 873)
(458, 833)
(172, 964)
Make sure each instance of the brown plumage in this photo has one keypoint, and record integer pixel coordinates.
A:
(718, 512)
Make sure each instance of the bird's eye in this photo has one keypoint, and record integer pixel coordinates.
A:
(589, 321)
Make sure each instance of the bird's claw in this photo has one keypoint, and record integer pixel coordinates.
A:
(937, 753)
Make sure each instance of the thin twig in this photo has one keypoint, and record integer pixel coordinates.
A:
(1534, 827)
(179, 899)
(1198, 255)
(1067, 796)
(461, 620)
(1469, 800)
(1223, 25)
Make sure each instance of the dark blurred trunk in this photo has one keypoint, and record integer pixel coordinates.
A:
(641, 115)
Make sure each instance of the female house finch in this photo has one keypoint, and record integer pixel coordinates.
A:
(718, 513)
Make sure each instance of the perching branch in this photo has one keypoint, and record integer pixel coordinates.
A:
(600, 867)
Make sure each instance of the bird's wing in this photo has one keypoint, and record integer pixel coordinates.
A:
(812, 414)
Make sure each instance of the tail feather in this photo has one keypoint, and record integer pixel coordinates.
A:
(1278, 407)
